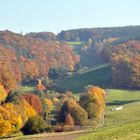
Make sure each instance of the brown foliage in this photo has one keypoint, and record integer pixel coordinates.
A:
(34, 101)
(69, 119)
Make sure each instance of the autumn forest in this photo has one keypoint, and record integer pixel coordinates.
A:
(32, 67)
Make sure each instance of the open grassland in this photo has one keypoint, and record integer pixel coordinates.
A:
(130, 100)
(122, 124)
(23, 89)
(100, 76)
(130, 131)
(117, 97)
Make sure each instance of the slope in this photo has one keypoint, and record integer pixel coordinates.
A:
(100, 76)
(122, 124)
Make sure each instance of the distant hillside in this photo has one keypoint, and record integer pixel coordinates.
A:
(100, 76)
(119, 46)
(46, 36)
(26, 57)
(83, 34)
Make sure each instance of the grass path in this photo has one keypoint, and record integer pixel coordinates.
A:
(52, 136)
(62, 137)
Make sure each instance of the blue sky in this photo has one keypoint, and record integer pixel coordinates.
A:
(57, 15)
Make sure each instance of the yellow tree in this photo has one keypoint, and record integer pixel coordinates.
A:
(49, 104)
(29, 110)
(3, 94)
(10, 120)
(40, 86)
(93, 101)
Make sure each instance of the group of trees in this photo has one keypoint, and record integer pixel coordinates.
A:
(25, 57)
(46, 36)
(13, 116)
(18, 108)
(119, 46)
(125, 63)
(90, 108)
(35, 112)
(98, 34)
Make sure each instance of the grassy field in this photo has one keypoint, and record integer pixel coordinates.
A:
(130, 100)
(130, 131)
(100, 76)
(123, 124)
(76, 44)
(24, 89)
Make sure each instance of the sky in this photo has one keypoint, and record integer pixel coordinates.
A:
(56, 15)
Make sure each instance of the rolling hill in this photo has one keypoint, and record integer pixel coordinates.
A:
(100, 76)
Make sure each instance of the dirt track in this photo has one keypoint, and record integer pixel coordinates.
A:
(63, 137)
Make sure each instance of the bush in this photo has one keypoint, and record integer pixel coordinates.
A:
(67, 128)
(58, 128)
(34, 125)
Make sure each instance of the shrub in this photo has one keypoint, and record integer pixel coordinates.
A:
(58, 128)
(68, 128)
(34, 125)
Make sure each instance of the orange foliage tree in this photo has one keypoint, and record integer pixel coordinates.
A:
(69, 119)
(7, 76)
